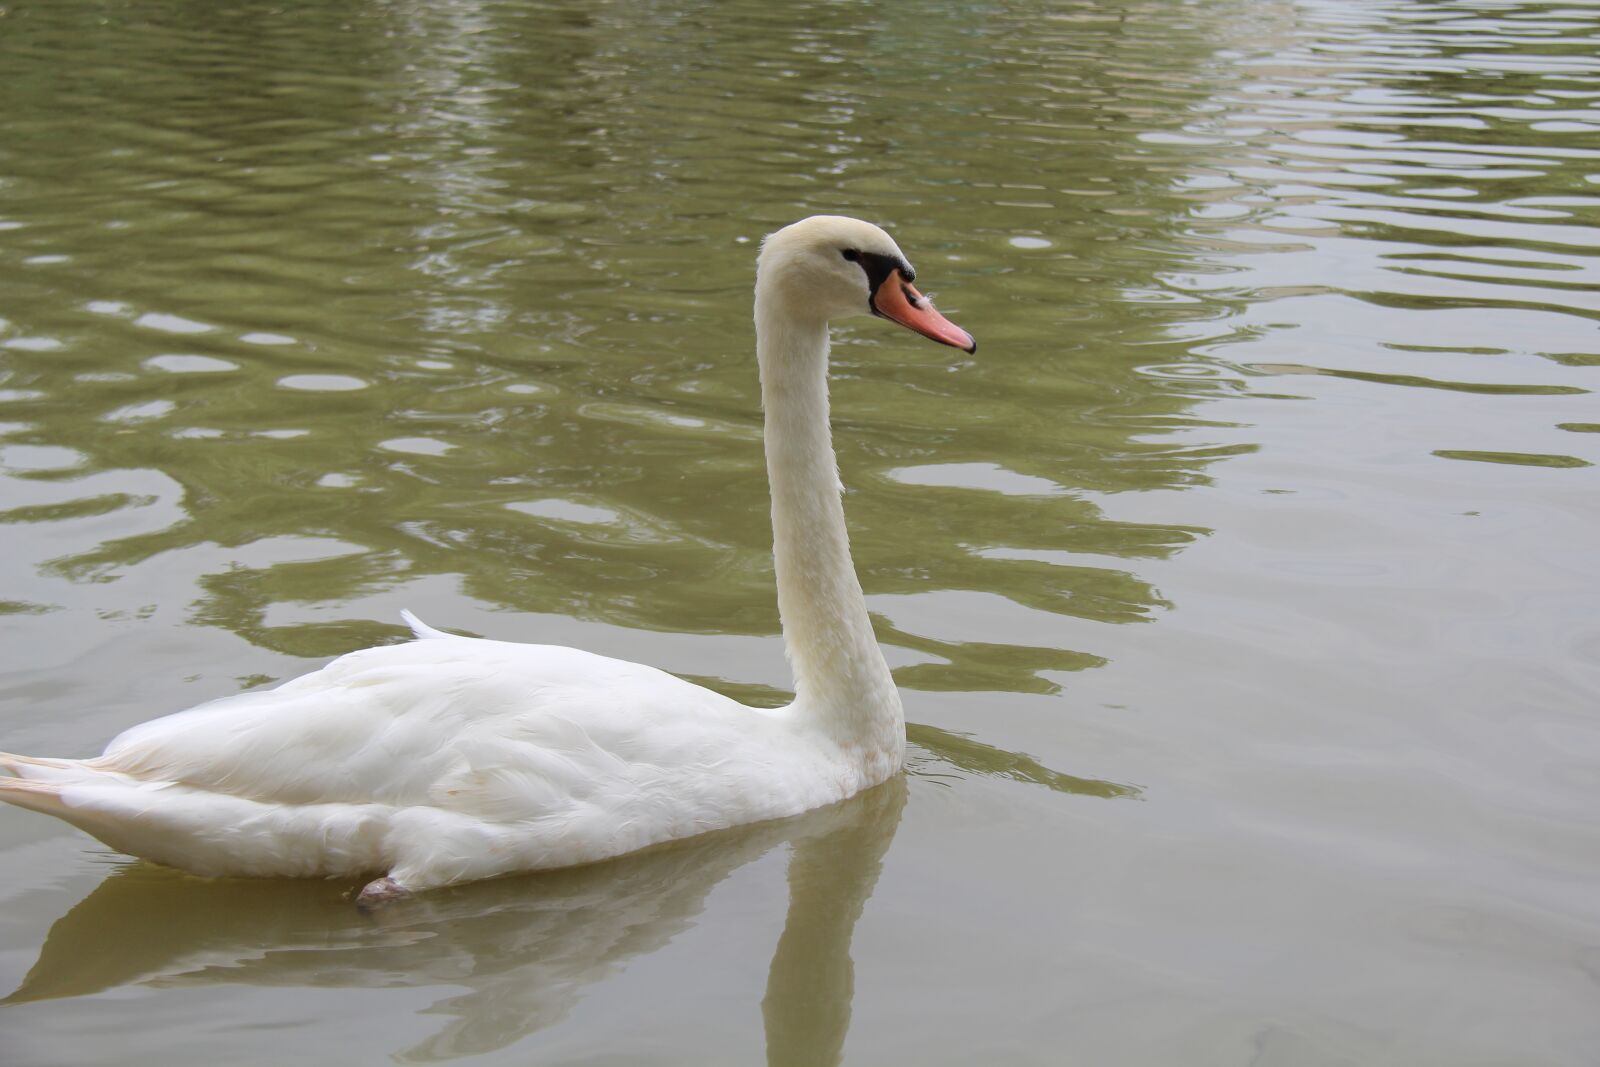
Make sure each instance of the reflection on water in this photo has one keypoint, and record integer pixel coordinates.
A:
(524, 947)
(931, 747)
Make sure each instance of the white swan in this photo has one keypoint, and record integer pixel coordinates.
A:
(448, 759)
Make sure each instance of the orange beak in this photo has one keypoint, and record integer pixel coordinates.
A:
(898, 299)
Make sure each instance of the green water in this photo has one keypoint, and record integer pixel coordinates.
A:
(1242, 588)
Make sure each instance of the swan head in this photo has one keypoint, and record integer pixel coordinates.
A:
(832, 266)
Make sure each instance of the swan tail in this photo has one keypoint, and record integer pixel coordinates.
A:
(421, 629)
(39, 768)
(115, 824)
(34, 794)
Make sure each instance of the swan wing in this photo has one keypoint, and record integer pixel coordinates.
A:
(425, 721)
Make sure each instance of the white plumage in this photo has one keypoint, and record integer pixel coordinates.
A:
(448, 759)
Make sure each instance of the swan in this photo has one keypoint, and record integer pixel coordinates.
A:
(448, 759)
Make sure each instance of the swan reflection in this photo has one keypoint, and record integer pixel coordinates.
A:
(523, 948)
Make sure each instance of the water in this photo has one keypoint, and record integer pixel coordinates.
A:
(1241, 588)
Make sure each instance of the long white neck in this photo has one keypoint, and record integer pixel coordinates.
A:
(841, 681)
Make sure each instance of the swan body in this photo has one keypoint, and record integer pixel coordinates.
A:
(448, 759)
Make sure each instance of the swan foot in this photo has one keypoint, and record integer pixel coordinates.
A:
(380, 891)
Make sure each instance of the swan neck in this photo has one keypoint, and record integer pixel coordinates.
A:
(841, 681)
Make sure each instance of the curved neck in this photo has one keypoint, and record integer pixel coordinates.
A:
(841, 681)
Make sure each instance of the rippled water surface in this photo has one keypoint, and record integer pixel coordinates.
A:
(1242, 587)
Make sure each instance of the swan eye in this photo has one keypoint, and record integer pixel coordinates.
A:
(851, 254)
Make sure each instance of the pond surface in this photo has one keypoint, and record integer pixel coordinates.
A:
(1242, 588)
